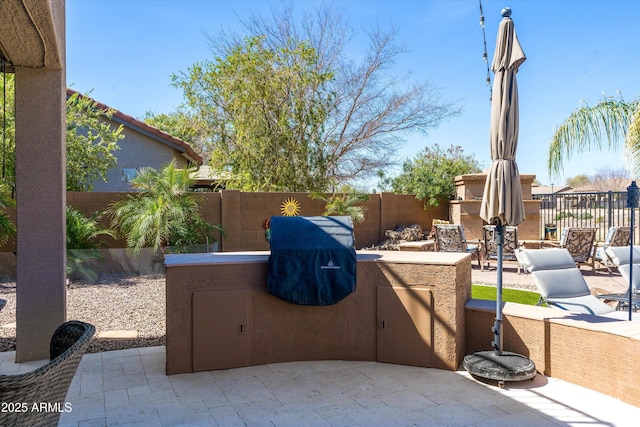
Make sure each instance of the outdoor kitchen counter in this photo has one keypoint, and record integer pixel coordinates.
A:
(408, 308)
(425, 257)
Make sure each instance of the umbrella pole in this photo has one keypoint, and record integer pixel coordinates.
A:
(497, 326)
(633, 194)
(498, 364)
(631, 269)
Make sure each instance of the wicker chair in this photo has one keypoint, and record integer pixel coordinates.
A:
(451, 238)
(48, 384)
(579, 242)
(489, 248)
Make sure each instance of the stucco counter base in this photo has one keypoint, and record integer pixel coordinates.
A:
(408, 308)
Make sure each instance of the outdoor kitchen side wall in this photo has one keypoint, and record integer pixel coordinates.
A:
(220, 315)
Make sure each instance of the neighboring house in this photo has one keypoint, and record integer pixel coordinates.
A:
(206, 180)
(562, 197)
(142, 146)
(548, 194)
(613, 184)
(548, 189)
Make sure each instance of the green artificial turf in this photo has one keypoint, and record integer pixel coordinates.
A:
(508, 294)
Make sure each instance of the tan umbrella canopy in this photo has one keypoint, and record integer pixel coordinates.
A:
(502, 199)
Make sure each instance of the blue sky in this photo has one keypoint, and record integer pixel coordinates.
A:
(124, 51)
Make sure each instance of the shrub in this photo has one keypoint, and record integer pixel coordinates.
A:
(563, 214)
(83, 241)
(162, 212)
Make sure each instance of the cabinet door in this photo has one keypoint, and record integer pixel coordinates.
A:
(221, 329)
(405, 326)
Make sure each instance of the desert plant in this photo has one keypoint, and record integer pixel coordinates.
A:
(344, 202)
(7, 228)
(563, 214)
(83, 232)
(83, 241)
(162, 212)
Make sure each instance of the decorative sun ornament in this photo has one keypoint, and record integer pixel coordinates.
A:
(290, 207)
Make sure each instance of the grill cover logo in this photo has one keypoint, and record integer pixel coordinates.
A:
(330, 266)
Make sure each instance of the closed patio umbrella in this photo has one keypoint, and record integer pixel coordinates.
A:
(502, 199)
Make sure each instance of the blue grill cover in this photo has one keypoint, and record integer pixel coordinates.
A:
(313, 259)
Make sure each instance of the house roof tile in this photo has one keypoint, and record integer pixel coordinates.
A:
(151, 131)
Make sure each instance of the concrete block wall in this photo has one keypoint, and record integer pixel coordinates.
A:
(242, 215)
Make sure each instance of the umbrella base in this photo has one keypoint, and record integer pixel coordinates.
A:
(505, 367)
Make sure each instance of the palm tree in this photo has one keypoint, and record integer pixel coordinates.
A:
(344, 202)
(83, 232)
(586, 128)
(83, 235)
(162, 212)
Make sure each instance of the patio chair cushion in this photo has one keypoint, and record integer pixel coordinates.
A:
(586, 304)
(573, 284)
(545, 259)
(548, 267)
(621, 255)
(560, 282)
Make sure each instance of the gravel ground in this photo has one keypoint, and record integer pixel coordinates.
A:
(120, 303)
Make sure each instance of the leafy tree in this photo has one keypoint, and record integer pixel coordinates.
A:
(578, 181)
(430, 175)
(586, 128)
(162, 212)
(344, 202)
(313, 118)
(384, 180)
(267, 114)
(184, 125)
(91, 141)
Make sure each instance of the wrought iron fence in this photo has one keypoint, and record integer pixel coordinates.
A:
(589, 209)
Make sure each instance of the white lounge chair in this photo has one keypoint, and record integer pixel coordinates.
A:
(561, 283)
(620, 256)
(616, 236)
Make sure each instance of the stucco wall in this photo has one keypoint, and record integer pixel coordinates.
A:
(591, 351)
(220, 315)
(137, 150)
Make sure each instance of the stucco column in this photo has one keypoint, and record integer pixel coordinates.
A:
(41, 198)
